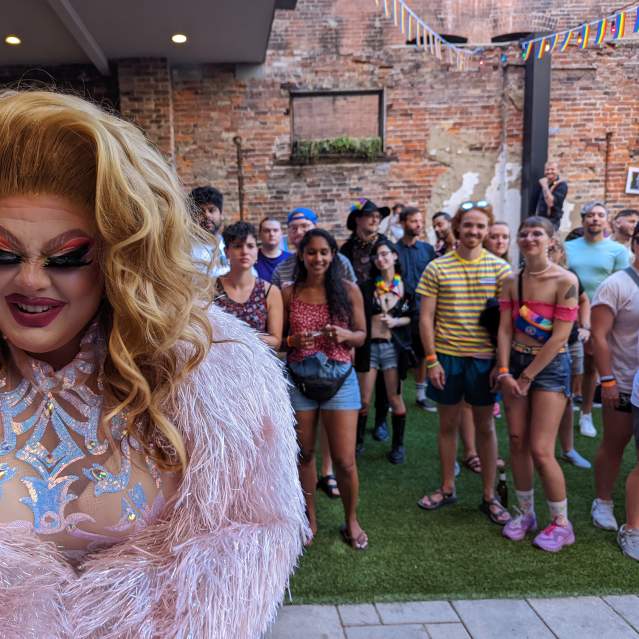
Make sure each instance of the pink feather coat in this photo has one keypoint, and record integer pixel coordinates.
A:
(217, 564)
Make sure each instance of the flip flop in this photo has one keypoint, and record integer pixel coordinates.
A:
(328, 485)
(361, 543)
(446, 500)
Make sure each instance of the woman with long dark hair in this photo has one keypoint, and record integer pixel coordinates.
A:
(538, 309)
(388, 308)
(324, 321)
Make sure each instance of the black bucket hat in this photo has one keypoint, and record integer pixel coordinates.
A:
(362, 206)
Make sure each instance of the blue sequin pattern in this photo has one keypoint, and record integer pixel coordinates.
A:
(44, 397)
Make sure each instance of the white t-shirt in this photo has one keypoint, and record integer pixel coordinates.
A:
(620, 294)
(202, 255)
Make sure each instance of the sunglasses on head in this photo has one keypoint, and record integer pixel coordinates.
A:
(479, 204)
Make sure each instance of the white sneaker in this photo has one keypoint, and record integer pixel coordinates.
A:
(586, 427)
(603, 515)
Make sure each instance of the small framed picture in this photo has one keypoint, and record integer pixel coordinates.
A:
(632, 181)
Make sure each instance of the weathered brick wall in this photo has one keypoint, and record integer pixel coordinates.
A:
(449, 135)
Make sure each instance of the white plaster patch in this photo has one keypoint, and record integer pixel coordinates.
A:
(463, 193)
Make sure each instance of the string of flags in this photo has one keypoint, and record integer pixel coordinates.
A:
(426, 38)
(611, 28)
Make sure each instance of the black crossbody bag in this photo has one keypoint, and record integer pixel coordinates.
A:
(318, 389)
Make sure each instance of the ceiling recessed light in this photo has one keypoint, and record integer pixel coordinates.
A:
(178, 38)
(13, 39)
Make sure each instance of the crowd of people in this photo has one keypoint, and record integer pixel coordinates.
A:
(542, 336)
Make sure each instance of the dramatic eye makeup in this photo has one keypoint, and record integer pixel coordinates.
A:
(74, 254)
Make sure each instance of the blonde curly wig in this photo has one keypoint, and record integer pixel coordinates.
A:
(156, 317)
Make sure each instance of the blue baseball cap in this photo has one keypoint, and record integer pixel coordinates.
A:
(302, 214)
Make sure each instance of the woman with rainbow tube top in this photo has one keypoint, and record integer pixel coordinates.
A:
(538, 308)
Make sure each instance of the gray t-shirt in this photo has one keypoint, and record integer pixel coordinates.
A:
(284, 272)
(621, 295)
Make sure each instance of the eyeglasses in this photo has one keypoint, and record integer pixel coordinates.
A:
(479, 204)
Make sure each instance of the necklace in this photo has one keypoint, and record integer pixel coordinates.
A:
(543, 270)
(383, 287)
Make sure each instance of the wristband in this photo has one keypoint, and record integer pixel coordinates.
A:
(609, 384)
(607, 378)
(432, 364)
(503, 369)
(431, 358)
(502, 375)
(525, 378)
(288, 341)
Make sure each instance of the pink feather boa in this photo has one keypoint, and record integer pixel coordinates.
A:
(218, 564)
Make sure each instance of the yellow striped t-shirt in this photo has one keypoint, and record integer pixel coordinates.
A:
(462, 288)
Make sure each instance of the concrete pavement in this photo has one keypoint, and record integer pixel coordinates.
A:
(565, 618)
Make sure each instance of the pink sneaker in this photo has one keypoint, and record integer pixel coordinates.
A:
(496, 410)
(519, 526)
(554, 537)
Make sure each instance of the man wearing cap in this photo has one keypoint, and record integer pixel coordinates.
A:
(363, 223)
(299, 222)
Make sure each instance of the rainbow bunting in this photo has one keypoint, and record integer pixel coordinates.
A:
(395, 12)
(620, 25)
(554, 41)
(635, 29)
(528, 47)
(417, 33)
(542, 49)
(403, 19)
(585, 36)
(566, 41)
(386, 11)
(601, 31)
(410, 28)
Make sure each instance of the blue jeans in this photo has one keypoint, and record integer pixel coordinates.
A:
(556, 377)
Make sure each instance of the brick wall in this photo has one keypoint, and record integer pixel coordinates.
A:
(449, 135)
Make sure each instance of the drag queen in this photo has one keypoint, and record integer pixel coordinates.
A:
(148, 482)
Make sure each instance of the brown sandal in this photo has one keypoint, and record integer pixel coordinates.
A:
(446, 500)
(473, 463)
(494, 510)
(360, 543)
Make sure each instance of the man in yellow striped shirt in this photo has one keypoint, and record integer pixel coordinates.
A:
(459, 351)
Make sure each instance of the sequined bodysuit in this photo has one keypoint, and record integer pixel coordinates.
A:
(59, 474)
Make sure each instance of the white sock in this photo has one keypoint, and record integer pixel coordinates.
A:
(420, 390)
(558, 509)
(526, 500)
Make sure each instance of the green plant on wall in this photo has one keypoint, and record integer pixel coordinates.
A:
(309, 151)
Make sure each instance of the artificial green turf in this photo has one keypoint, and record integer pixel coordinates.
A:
(455, 552)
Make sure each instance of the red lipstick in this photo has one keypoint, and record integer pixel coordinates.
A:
(33, 318)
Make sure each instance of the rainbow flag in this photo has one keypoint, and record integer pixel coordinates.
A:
(566, 41)
(620, 25)
(528, 47)
(553, 42)
(601, 31)
(542, 49)
(585, 36)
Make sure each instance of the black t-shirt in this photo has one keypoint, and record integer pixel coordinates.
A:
(556, 212)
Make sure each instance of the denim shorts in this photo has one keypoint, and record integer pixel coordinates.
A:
(467, 378)
(346, 398)
(556, 377)
(383, 355)
(635, 424)
(576, 352)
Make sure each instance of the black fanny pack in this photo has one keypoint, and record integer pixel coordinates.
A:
(318, 389)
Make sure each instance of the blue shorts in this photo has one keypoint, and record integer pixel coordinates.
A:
(346, 398)
(576, 351)
(467, 378)
(383, 355)
(635, 424)
(556, 377)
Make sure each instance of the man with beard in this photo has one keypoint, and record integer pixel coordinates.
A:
(553, 192)
(414, 256)
(459, 353)
(593, 258)
(363, 223)
(444, 233)
(207, 205)
(624, 226)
